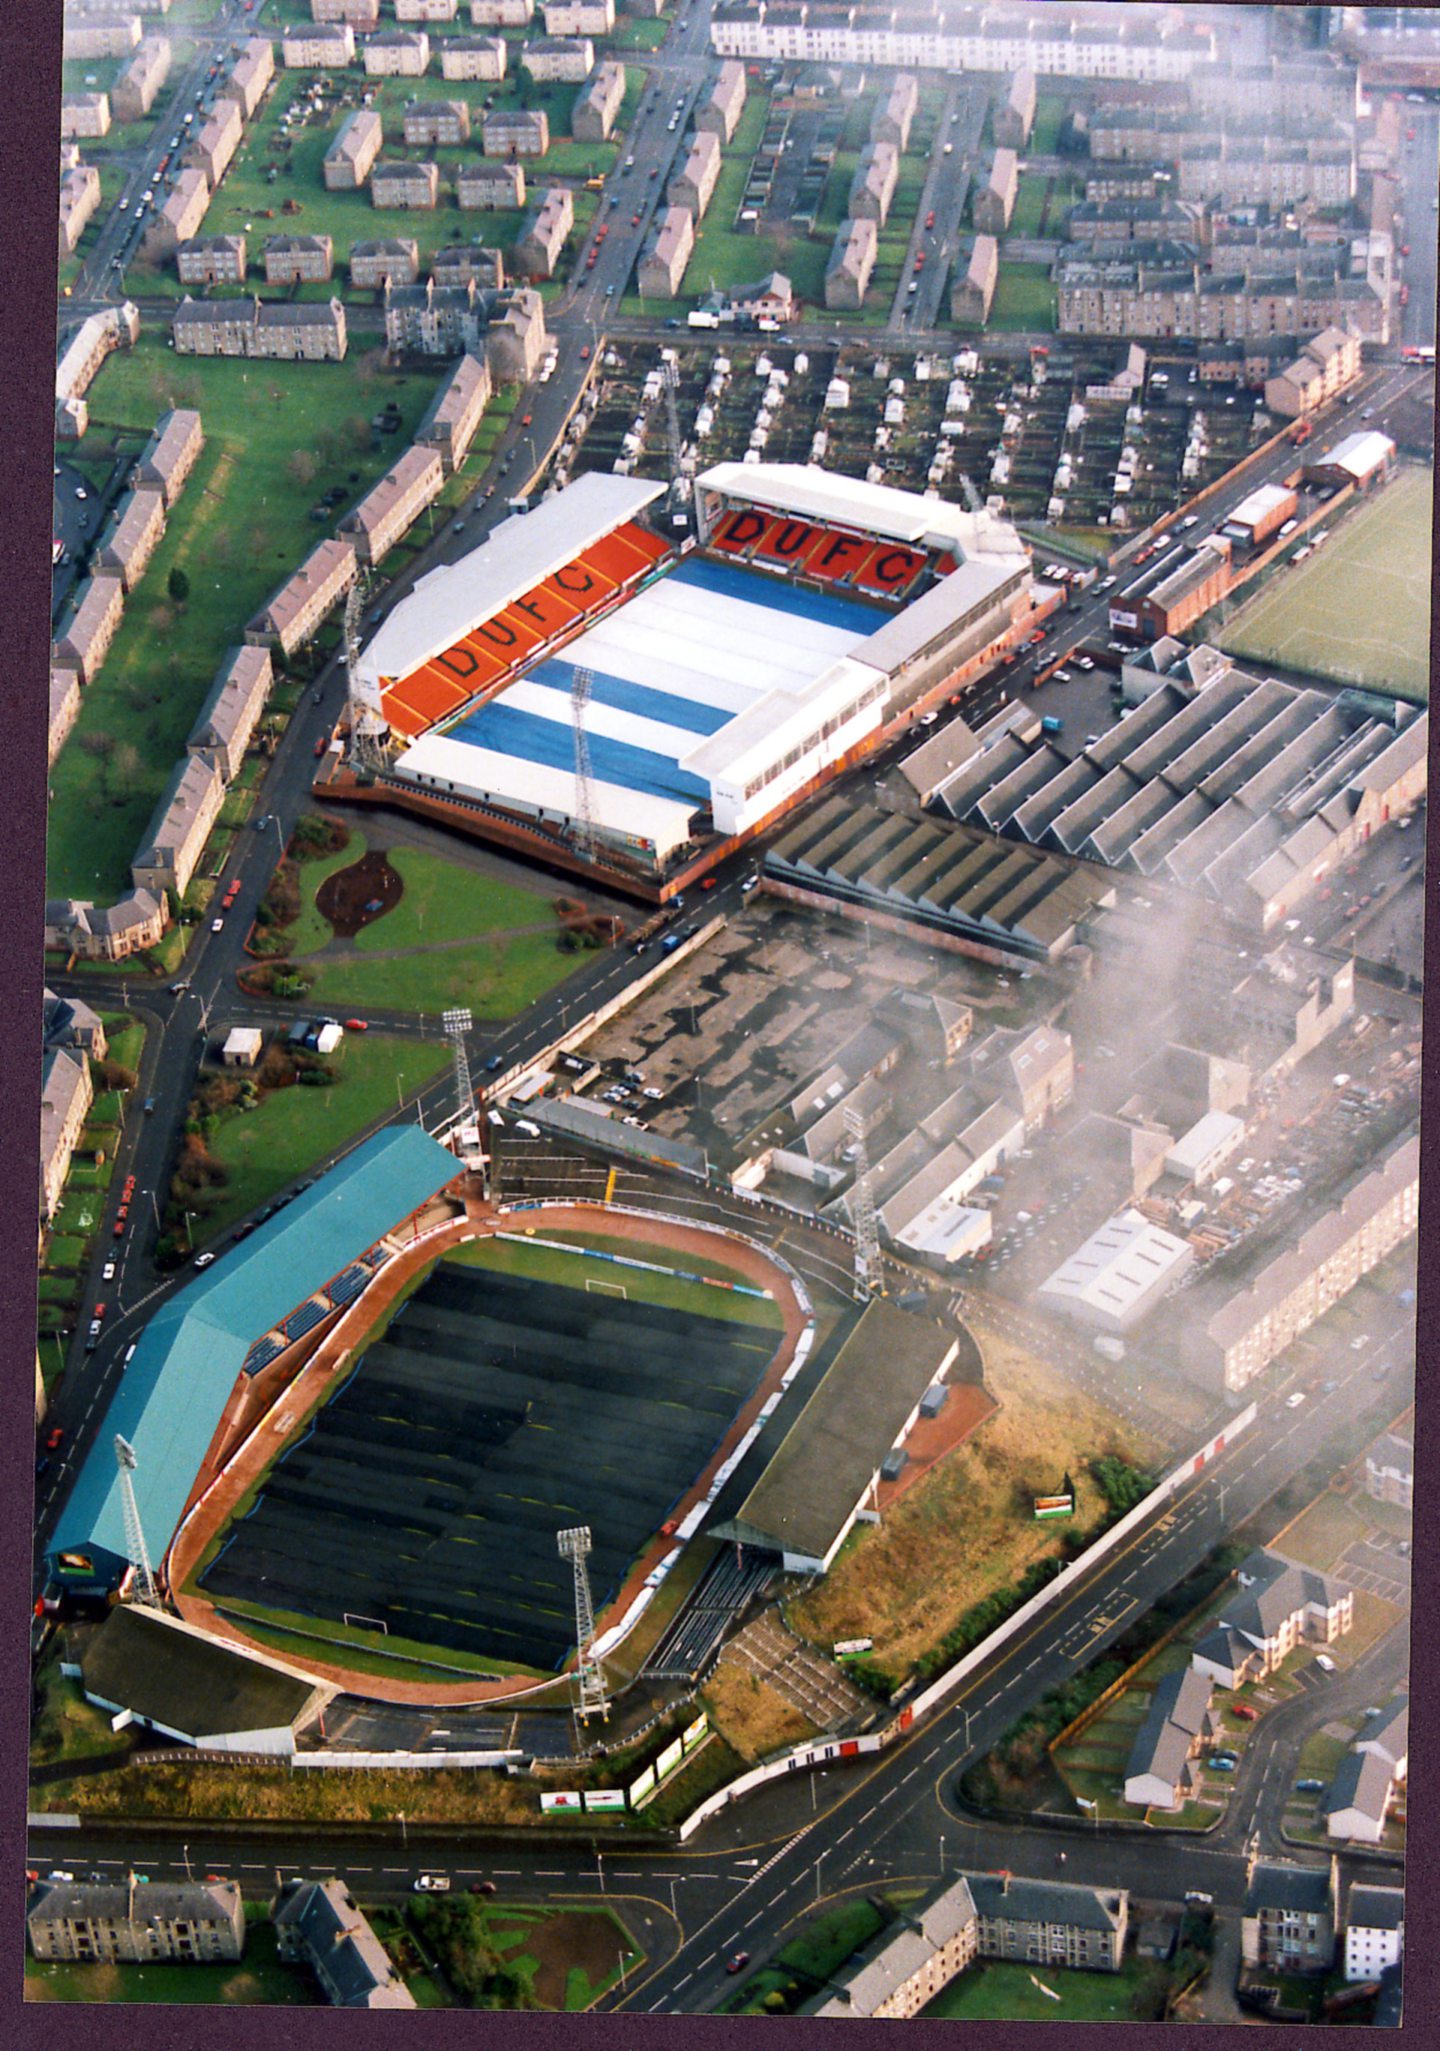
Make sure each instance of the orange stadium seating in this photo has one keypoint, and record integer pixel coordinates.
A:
(493, 648)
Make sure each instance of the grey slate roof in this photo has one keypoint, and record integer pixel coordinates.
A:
(1273, 1885)
(190, 1684)
(1045, 1901)
(1362, 1781)
(332, 1928)
(1376, 1908)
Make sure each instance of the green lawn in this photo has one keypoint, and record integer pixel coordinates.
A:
(292, 1129)
(240, 526)
(1029, 204)
(545, 1264)
(1322, 1533)
(824, 1945)
(302, 1637)
(248, 195)
(1003, 1992)
(495, 978)
(1050, 111)
(259, 1979)
(1024, 298)
(1358, 610)
(444, 901)
(311, 930)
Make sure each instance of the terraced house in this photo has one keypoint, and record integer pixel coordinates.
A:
(308, 332)
(436, 123)
(473, 57)
(293, 612)
(133, 93)
(392, 505)
(347, 162)
(405, 53)
(211, 260)
(232, 709)
(298, 259)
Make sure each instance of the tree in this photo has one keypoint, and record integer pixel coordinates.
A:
(301, 467)
(178, 585)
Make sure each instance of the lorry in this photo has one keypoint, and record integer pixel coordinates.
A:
(702, 320)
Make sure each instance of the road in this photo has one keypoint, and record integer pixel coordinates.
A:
(760, 1865)
(1420, 182)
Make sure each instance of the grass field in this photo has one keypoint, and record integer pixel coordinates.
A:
(1001, 1992)
(247, 195)
(241, 524)
(1358, 610)
(964, 1530)
(495, 978)
(446, 901)
(1024, 298)
(545, 1264)
(292, 1129)
(1319, 1536)
(260, 1978)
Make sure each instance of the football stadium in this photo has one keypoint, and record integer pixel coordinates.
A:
(368, 1423)
(721, 677)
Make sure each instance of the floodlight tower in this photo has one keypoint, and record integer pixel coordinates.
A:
(591, 1696)
(368, 726)
(135, 1545)
(457, 1024)
(869, 1271)
(581, 681)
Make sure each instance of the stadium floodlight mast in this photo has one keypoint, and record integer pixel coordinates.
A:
(591, 1695)
(869, 1272)
(135, 1546)
(580, 684)
(457, 1024)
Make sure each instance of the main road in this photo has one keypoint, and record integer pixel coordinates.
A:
(767, 1861)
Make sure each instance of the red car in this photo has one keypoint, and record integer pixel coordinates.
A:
(320, 747)
(920, 261)
(55, 1437)
(1243, 1709)
(738, 1963)
(930, 218)
(709, 882)
(357, 1025)
(119, 1228)
(524, 419)
(634, 220)
(99, 1312)
(1409, 135)
(585, 353)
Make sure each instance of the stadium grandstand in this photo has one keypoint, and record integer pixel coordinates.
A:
(727, 675)
(198, 1376)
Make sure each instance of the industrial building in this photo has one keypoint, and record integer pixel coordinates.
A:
(1119, 1275)
(1247, 790)
(991, 899)
(215, 1355)
(725, 679)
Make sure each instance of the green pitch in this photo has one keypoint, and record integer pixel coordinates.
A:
(1358, 610)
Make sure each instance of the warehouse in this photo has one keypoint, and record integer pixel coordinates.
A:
(826, 1470)
(949, 880)
(1361, 459)
(1119, 1275)
(1247, 790)
(1259, 514)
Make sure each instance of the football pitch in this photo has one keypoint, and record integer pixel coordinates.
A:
(1358, 610)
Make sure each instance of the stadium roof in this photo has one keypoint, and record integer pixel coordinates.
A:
(519, 554)
(183, 1679)
(806, 1497)
(173, 1394)
(880, 509)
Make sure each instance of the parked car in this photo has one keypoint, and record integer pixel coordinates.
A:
(357, 1025)
(1309, 1787)
(738, 1963)
(433, 1883)
(203, 1260)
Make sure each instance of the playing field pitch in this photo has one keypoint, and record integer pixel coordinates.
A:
(1358, 610)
